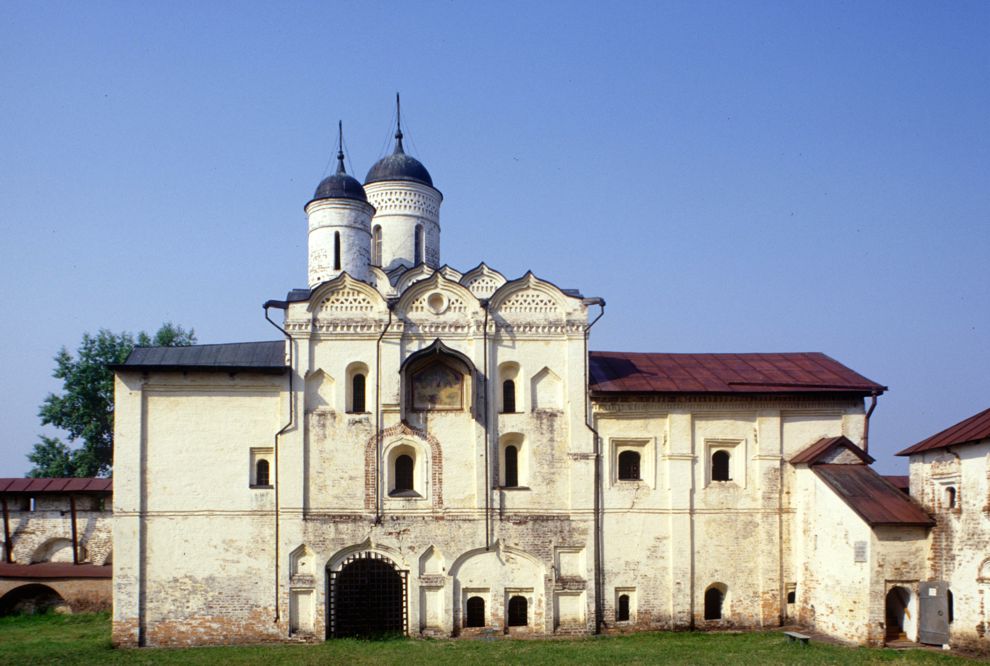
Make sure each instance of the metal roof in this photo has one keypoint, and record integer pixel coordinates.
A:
(813, 453)
(875, 499)
(970, 430)
(56, 486)
(399, 166)
(900, 481)
(55, 570)
(804, 372)
(237, 356)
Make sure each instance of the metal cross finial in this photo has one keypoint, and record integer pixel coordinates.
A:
(340, 147)
(398, 125)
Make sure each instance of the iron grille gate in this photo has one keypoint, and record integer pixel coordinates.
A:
(367, 596)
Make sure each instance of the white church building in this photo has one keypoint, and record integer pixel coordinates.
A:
(434, 451)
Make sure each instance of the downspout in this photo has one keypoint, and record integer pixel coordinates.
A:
(599, 583)
(282, 305)
(75, 534)
(8, 547)
(489, 482)
(378, 421)
(866, 425)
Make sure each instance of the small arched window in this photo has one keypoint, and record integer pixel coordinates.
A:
(629, 466)
(420, 243)
(950, 497)
(403, 473)
(622, 610)
(261, 473)
(376, 245)
(357, 393)
(336, 250)
(475, 612)
(511, 467)
(509, 396)
(518, 615)
(720, 466)
(713, 603)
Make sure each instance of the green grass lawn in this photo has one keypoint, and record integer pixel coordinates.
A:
(85, 639)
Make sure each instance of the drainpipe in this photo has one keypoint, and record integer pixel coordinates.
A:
(282, 305)
(866, 425)
(8, 547)
(75, 534)
(598, 527)
(489, 482)
(378, 421)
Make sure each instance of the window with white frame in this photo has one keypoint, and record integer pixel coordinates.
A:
(508, 394)
(625, 604)
(725, 462)
(405, 471)
(261, 472)
(357, 388)
(631, 461)
(513, 461)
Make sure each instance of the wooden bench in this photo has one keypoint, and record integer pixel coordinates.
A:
(795, 636)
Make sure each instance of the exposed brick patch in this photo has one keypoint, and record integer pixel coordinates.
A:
(257, 627)
(371, 473)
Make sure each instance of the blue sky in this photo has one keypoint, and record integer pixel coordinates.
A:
(761, 176)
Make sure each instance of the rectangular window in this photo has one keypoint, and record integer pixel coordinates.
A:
(632, 462)
(262, 473)
(725, 462)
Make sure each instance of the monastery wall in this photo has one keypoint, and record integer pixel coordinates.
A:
(45, 533)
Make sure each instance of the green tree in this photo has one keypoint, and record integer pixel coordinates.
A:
(84, 408)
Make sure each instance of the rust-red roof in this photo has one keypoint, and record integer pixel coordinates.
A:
(54, 486)
(970, 430)
(55, 570)
(874, 498)
(813, 453)
(803, 372)
(900, 481)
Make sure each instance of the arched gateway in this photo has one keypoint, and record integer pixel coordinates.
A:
(366, 597)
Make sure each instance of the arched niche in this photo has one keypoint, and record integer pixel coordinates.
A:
(496, 576)
(319, 391)
(509, 389)
(302, 562)
(438, 378)
(547, 390)
(57, 550)
(432, 562)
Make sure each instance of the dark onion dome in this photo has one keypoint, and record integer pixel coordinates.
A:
(340, 185)
(399, 166)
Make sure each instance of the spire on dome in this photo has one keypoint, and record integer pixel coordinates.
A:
(340, 147)
(399, 165)
(340, 185)
(398, 127)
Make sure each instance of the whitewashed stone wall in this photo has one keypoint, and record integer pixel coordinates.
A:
(959, 545)
(204, 557)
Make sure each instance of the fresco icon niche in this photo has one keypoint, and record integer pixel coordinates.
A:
(438, 386)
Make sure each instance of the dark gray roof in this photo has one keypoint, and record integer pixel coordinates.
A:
(399, 166)
(236, 356)
(340, 185)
